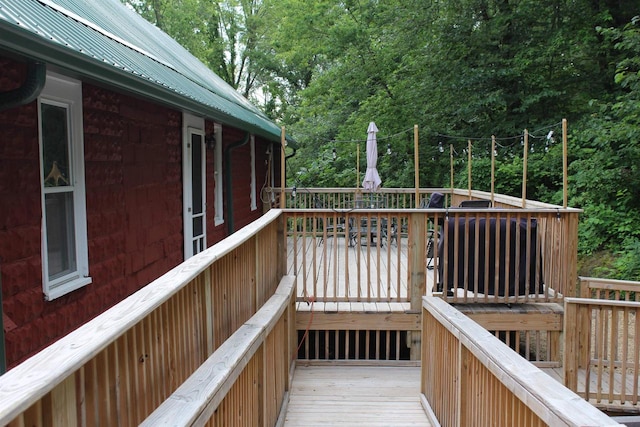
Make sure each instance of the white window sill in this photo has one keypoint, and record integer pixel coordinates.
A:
(66, 287)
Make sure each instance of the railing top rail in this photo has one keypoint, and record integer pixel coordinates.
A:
(353, 190)
(195, 400)
(503, 198)
(602, 302)
(611, 284)
(553, 403)
(461, 193)
(452, 210)
(26, 383)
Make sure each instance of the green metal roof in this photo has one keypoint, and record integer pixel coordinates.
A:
(105, 41)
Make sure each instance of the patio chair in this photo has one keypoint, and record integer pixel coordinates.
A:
(436, 201)
(369, 229)
(330, 227)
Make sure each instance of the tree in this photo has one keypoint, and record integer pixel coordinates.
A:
(221, 33)
(606, 175)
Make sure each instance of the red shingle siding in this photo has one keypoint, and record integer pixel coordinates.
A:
(214, 234)
(241, 177)
(134, 190)
(133, 176)
(20, 213)
(241, 185)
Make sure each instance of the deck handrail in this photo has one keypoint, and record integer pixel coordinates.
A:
(141, 349)
(601, 339)
(538, 247)
(196, 400)
(470, 377)
(403, 198)
(594, 287)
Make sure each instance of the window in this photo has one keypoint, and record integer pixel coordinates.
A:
(254, 203)
(64, 238)
(218, 192)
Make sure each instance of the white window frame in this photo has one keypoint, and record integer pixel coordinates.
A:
(67, 93)
(218, 190)
(254, 201)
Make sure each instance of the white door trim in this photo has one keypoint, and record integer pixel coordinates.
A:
(193, 127)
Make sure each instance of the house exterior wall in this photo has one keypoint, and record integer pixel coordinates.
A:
(133, 179)
(214, 233)
(134, 211)
(241, 182)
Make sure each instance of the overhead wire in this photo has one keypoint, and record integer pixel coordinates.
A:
(532, 134)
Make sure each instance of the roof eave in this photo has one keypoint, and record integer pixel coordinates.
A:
(26, 44)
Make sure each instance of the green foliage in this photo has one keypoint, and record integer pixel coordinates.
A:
(460, 69)
(605, 175)
(223, 34)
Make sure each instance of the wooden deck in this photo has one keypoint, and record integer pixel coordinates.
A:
(370, 396)
(366, 285)
(603, 400)
(337, 271)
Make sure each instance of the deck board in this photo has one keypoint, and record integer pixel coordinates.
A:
(355, 396)
(604, 402)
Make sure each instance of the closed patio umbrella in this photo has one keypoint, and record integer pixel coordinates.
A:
(371, 178)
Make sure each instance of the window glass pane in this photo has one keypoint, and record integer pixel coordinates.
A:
(61, 253)
(55, 146)
(198, 228)
(196, 173)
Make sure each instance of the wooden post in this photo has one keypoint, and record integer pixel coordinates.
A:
(570, 356)
(416, 162)
(469, 167)
(417, 272)
(282, 247)
(451, 165)
(283, 176)
(564, 164)
(524, 168)
(493, 167)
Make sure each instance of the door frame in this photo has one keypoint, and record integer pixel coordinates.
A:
(193, 125)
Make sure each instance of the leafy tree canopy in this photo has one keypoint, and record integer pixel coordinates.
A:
(460, 69)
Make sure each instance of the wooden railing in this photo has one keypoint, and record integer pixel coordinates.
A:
(508, 255)
(610, 289)
(391, 198)
(471, 255)
(355, 262)
(469, 377)
(245, 381)
(602, 343)
(121, 366)
(349, 198)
